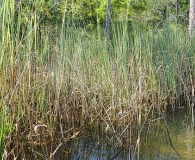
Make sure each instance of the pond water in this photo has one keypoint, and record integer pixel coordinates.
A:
(161, 139)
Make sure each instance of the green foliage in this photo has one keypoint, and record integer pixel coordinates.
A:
(45, 11)
(91, 12)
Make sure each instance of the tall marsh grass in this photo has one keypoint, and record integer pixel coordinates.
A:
(55, 79)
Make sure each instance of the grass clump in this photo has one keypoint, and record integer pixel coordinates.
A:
(55, 79)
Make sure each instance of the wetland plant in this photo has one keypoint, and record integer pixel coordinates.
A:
(57, 79)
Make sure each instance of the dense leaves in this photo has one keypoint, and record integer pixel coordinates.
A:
(91, 12)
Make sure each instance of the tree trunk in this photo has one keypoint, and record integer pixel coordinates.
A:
(108, 20)
(192, 17)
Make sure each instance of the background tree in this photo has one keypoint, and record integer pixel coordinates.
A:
(88, 13)
(108, 20)
(192, 17)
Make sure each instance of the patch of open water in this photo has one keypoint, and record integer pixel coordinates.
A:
(161, 139)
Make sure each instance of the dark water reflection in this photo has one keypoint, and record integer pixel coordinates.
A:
(160, 139)
(89, 149)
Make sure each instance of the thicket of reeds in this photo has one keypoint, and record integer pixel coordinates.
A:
(55, 80)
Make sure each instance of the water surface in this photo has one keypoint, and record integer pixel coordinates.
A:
(162, 138)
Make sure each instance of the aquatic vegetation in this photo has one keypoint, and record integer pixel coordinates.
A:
(56, 80)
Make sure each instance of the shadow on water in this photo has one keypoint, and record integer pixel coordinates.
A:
(87, 149)
(172, 138)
